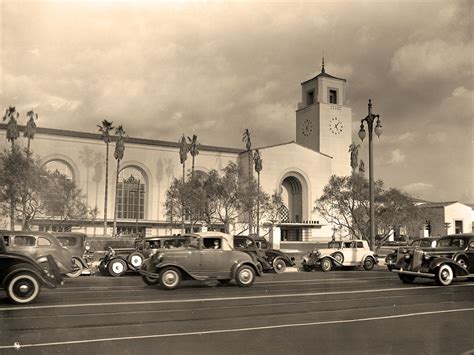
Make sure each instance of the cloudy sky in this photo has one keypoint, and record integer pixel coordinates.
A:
(163, 68)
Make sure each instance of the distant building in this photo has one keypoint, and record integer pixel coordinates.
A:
(298, 169)
(446, 218)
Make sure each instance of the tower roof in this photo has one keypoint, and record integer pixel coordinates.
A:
(323, 74)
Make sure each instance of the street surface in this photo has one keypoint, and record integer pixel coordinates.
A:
(340, 312)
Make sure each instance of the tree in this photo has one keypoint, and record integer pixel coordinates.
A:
(344, 204)
(39, 192)
(30, 129)
(118, 155)
(194, 150)
(246, 138)
(104, 130)
(12, 134)
(183, 156)
(12, 126)
(258, 168)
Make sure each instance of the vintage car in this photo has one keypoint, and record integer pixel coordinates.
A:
(39, 245)
(351, 253)
(22, 277)
(271, 259)
(82, 255)
(117, 261)
(428, 242)
(208, 256)
(452, 258)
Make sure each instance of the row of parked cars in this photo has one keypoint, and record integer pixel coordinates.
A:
(31, 260)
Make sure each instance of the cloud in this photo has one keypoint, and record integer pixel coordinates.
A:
(437, 137)
(418, 188)
(433, 61)
(396, 157)
(399, 138)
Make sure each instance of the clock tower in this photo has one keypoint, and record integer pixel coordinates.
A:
(323, 121)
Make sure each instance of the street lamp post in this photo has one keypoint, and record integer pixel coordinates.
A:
(138, 205)
(378, 131)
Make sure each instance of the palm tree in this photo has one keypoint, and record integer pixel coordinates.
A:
(12, 134)
(30, 129)
(118, 154)
(12, 126)
(258, 168)
(248, 146)
(194, 150)
(183, 155)
(105, 132)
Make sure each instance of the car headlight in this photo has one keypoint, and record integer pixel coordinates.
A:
(407, 256)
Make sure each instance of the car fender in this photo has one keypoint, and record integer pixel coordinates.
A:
(84, 264)
(457, 268)
(185, 272)
(369, 256)
(240, 263)
(44, 280)
(329, 257)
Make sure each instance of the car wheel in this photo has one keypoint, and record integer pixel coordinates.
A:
(77, 269)
(338, 256)
(150, 281)
(170, 277)
(245, 276)
(406, 279)
(136, 259)
(326, 264)
(116, 267)
(462, 261)
(279, 265)
(22, 287)
(369, 263)
(444, 275)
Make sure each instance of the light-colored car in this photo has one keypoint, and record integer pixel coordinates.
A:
(341, 253)
(208, 256)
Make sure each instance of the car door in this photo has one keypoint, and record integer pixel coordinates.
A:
(214, 259)
(470, 253)
(349, 252)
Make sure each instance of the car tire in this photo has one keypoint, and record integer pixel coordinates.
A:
(369, 263)
(444, 275)
(116, 267)
(78, 267)
(22, 287)
(245, 276)
(279, 265)
(170, 278)
(338, 256)
(326, 264)
(136, 259)
(150, 281)
(461, 259)
(406, 279)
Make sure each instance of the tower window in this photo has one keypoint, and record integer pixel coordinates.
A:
(309, 97)
(333, 96)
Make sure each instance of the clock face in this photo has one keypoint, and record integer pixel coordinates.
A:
(307, 128)
(335, 126)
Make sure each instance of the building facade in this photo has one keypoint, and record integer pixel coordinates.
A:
(298, 170)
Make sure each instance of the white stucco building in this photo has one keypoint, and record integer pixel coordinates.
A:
(298, 169)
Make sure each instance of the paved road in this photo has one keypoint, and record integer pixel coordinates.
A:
(340, 312)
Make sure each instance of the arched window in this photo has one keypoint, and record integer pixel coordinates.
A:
(61, 167)
(131, 194)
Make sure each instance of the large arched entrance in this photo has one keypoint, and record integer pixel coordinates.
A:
(293, 211)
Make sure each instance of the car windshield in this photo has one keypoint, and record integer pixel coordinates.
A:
(451, 242)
